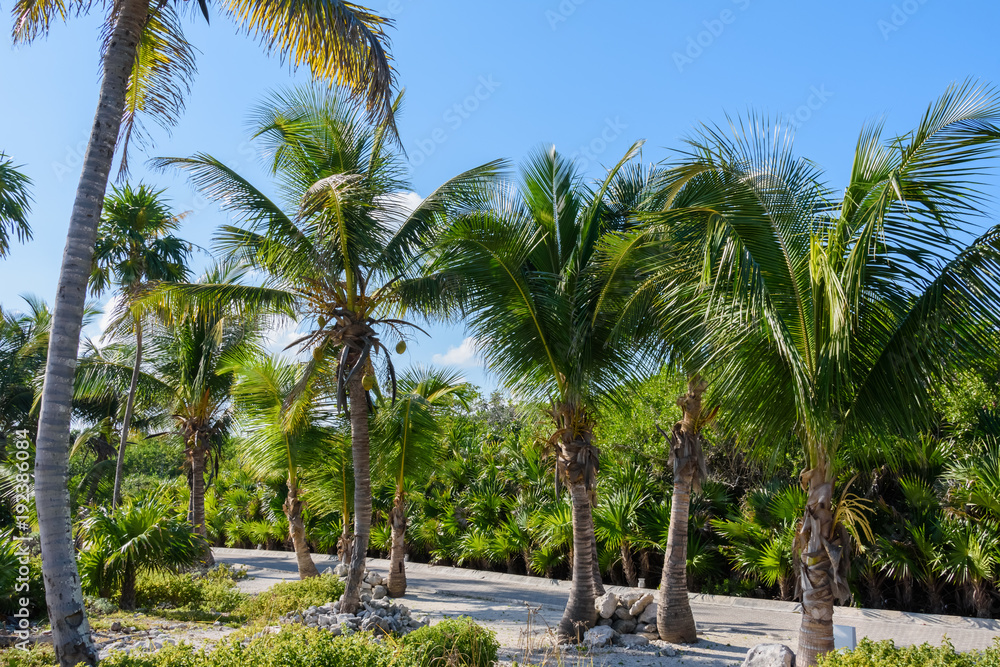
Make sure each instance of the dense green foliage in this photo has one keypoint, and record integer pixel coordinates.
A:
(887, 654)
(453, 642)
(293, 595)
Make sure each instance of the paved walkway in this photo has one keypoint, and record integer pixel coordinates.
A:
(767, 620)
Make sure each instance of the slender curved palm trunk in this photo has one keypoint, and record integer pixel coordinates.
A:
(674, 620)
(362, 494)
(116, 497)
(63, 596)
(297, 531)
(397, 566)
(580, 613)
(815, 570)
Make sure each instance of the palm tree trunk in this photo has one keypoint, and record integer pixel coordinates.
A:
(64, 598)
(815, 569)
(362, 495)
(116, 497)
(198, 452)
(674, 620)
(297, 531)
(127, 599)
(397, 566)
(598, 582)
(580, 614)
(628, 565)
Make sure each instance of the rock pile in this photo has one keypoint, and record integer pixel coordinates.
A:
(378, 614)
(629, 620)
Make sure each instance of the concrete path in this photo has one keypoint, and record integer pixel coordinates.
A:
(758, 620)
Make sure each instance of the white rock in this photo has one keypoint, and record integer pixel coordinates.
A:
(648, 614)
(328, 570)
(769, 655)
(379, 592)
(606, 605)
(633, 640)
(639, 605)
(341, 570)
(598, 636)
(622, 613)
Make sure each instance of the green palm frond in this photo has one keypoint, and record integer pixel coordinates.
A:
(160, 79)
(15, 203)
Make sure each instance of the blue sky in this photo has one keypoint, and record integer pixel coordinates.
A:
(498, 79)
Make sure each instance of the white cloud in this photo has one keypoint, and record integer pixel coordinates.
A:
(397, 206)
(463, 356)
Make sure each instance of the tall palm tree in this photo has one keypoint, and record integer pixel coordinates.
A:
(283, 431)
(15, 203)
(837, 318)
(135, 249)
(406, 444)
(147, 68)
(523, 268)
(194, 355)
(336, 254)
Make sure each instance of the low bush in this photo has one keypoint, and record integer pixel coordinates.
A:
(41, 655)
(450, 642)
(211, 591)
(293, 595)
(887, 654)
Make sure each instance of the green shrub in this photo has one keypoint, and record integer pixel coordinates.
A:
(459, 642)
(209, 591)
(455, 643)
(293, 595)
(10, 581)
(886, 654)
(41, 655)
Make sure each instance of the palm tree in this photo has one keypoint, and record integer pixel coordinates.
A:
(674, 620)
(616, 524)
(406, 444)
(523, 267)
(134, 250)
(283, 431)
(194, 356)
(337, 255)
(15, 203)
(836, 318)
(147, 68)
(140, 535)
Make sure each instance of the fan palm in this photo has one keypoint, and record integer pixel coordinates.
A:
(15, 203)
(616, 524)
(835, 318)
(283, 431)
(121, 542)
(406, 445)
(134, 249)
(147, 67)
(523, 268)
(337, 255)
